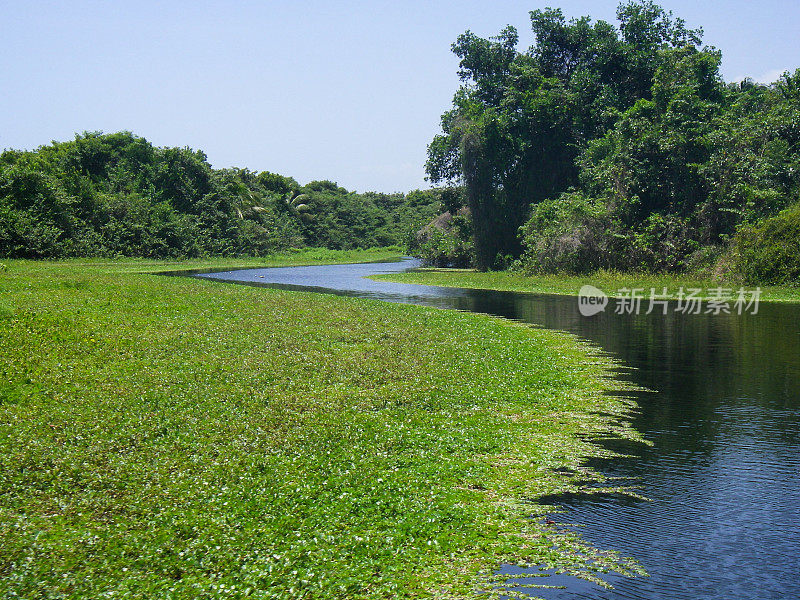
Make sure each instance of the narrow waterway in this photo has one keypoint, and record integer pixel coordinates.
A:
(723, 473)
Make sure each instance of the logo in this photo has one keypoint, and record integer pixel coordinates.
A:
(687, 301)
(591, 300)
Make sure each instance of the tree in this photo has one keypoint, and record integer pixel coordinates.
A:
(520, 120)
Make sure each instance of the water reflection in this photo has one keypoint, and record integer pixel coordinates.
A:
(723, 472)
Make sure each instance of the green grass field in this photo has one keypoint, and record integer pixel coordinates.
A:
(608, 281)
(165, 437)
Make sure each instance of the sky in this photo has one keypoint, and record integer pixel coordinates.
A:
(346, 91)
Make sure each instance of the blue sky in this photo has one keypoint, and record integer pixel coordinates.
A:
(347, 91)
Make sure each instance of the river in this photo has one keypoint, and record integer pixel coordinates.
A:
(723, 472)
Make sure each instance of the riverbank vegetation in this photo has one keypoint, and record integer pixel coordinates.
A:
(616, 147)
(613, 283)
(294, 257)
(602, 147)
(182, 438)
(118, 195)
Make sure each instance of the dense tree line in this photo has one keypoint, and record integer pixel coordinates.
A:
(118, 195)
(606, 146)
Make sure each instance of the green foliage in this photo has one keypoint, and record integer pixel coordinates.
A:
(167, 437)
(769, 251)
(117, 195)
(571, 234)
(576, 234)
(617, 147)
(445, 242)
(521, 120)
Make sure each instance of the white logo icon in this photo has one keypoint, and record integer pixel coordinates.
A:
(591, 300)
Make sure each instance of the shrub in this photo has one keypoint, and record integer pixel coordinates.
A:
(768, 252)
(661, 243)
(577, 234)
(571, 234)
(446, 241)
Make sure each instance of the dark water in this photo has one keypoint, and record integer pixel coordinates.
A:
(723, 474)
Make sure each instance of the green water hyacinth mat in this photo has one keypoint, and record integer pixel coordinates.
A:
(182, 438)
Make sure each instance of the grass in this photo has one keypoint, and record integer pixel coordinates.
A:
(166, 437)
(290, 258)
(609, 281)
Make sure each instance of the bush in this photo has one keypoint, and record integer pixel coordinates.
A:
(661, 243)
(118, 195)
(571, 234)
(446, 241)
(768, 252)
(576, 234)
